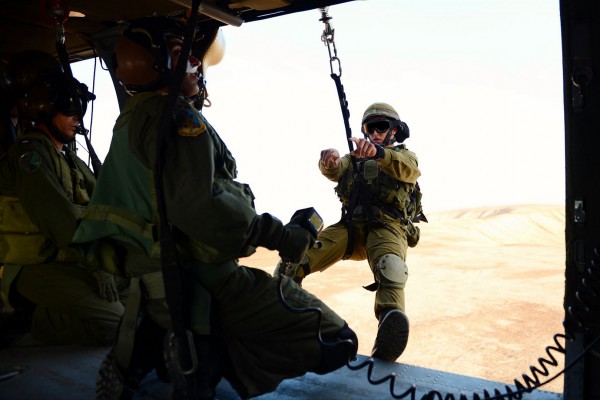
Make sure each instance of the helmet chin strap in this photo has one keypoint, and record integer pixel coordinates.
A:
(388, 137)
(201, 98)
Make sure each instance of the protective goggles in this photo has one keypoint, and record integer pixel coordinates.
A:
(381, 126)
(69, 104)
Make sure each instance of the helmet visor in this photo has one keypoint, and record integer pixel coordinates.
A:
(69, 102)
(381, 126)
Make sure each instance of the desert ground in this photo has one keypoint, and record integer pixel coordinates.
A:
(484, 295)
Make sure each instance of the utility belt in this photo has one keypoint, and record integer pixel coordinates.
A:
(378, 212)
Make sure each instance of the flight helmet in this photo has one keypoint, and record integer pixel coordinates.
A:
(382, 117)
(141, 59)
(56, 93)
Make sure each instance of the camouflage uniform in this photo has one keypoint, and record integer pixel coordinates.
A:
(378, 232)
(42, 193)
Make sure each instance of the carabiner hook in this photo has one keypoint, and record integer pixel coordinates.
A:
(328, 38)
(339, 66)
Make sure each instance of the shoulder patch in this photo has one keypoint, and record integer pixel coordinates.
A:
(189, 123)
(30, 161)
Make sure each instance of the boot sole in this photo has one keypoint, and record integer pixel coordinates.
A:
(392, 336)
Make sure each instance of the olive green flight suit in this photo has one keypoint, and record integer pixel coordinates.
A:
(42, 193)
(385, 233)
(212, 216)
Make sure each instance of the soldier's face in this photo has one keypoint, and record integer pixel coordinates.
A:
(66, 124)
(190, 86)
(378, 136)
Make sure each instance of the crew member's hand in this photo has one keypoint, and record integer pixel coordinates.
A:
(295, 242)
(330, 158)
(291, 240)
(106, 285)
(364, 148)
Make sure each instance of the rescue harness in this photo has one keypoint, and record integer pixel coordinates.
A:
(361, 196)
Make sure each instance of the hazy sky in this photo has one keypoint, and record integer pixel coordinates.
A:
(479, 82)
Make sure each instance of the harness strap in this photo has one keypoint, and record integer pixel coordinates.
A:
(126, 339)
(180, 337)
(356, 198)
(121, 217)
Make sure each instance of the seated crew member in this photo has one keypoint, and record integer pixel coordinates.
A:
(44, 188)
(241, 330)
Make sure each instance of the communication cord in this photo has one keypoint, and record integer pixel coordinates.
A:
(529, 382)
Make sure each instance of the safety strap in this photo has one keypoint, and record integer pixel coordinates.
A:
(171, 266)
(122, 218)
(328, 38)
(126, 338)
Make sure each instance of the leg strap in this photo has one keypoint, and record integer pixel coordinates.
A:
(126, 339)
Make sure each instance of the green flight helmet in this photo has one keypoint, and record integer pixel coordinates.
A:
(384, 110)
(56, 93)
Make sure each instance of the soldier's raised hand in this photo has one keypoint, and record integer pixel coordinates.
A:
(330, 158)
(364, 148)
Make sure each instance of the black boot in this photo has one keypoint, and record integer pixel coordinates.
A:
(392, 335)
(147, 354)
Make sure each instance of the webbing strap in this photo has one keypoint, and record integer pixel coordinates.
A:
(168, 250)
(328, 38)
(122, 218)
(126, 339)
(345, 113)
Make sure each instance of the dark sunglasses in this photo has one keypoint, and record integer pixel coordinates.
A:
(381, 126)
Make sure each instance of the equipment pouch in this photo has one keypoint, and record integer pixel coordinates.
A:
(21, 242)
(370, 170)
(413, 234)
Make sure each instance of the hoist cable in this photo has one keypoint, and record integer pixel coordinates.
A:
(328, 38)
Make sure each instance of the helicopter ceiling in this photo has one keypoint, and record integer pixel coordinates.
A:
(30, 24)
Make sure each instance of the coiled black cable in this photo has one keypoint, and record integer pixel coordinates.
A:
(528, 383)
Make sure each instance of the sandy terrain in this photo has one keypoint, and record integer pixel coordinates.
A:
(484, 295)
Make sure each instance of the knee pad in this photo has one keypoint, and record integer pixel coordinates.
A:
(336, 353)
(392, 270)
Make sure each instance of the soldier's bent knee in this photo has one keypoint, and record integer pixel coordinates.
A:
(335, 354)
(393, 271)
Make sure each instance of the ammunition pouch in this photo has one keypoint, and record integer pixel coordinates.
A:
(21, 242)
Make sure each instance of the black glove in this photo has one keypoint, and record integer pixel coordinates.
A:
(292, 240)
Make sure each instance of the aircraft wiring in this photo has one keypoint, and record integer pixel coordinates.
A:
(92, 106)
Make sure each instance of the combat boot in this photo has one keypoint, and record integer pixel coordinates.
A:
(116, 382)
(392, 335)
